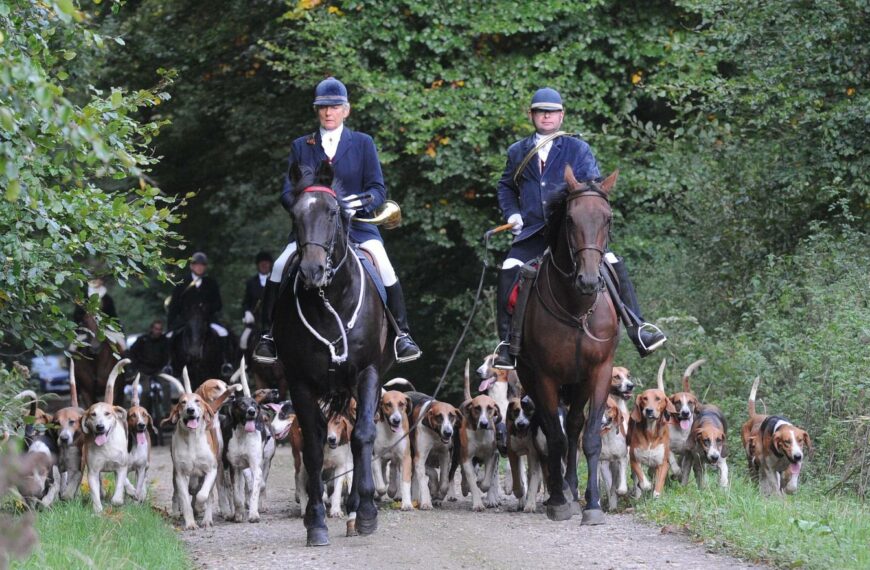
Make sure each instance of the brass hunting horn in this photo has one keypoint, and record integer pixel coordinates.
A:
(388, 215)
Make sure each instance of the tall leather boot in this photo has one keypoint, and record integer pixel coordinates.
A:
(226, 366)
(506, 279)
(406, 348)
(645, 336)
(265, 352)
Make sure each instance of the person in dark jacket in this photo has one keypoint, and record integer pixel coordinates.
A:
(97, 286)
(524, 197)
(197, 288)
(358, 170)
(150, 353)
(254, 288)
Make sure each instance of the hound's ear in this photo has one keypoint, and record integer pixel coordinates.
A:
(173, 415)
(84, 424)
(409, 406)
(499, 419)
(620, 419)
(120, 413)
(805, 438)
(465, 408)
(635, 412)
(609, 182)
(696, 405)
(669, 408)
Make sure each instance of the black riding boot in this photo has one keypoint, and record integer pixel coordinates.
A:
(506, 279)
(227, 366)
(645, 336)
(265, 352)
(406, 348)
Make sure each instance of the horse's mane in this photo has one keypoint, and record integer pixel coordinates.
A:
(556, 209)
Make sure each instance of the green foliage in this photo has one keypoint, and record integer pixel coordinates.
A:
(73, 166)
(809, 530)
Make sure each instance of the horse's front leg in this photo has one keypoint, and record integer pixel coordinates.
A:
(313, 426)
(362, 500)
(573, 427)
(599, 379)
(547, 404)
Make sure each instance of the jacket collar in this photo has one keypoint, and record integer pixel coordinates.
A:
(344, 143)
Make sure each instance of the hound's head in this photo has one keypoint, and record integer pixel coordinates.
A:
(338, 431)
(612, 417)
(443, 419)
(267, 396)
(793, 443)
(139, 422)
(285, 415)
(686, 406)
(519, 416)
(244, 411)
(101, 419)
(394, 409)
(710, 437)
(192, 411)
(621, 384)
(69, 422)
(481, 412)
(652, 405)
(211, 390)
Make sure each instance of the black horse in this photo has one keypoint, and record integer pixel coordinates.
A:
(332, 337)
(197, 346)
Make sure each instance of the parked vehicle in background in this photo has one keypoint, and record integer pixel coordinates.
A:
(51, 371)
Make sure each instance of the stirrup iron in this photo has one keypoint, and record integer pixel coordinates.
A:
(396, 350)
(652, 329)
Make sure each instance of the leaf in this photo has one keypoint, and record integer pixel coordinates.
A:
(13, 190)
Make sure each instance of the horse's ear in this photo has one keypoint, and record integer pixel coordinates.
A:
(295, 174)
(324, 174)
(609, 182)
(569, 177)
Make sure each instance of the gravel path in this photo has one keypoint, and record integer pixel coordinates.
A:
(450, 537)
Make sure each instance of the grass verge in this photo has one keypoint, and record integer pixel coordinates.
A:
(133, 536)
(807, 530)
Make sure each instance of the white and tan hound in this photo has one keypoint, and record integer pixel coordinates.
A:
(649, 440)
(139, 425)
(613, 461)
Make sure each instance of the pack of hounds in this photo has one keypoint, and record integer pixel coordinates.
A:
(225, 437)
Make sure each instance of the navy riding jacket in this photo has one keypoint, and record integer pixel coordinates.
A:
(535, 190)
(357, 168)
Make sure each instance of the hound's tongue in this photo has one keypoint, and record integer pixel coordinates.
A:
(193, 424)
(249, 426)
(685, 424)
(484, 386)
(795, 468)
(140, 438)
(101, 439)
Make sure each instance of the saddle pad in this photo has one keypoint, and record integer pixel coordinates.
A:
(373, 273)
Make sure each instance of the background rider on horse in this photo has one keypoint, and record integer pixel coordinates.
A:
(533, 176)
(360, 185)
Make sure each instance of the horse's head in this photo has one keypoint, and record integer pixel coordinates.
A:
(585, 221)
(195, 330)
(321, 224)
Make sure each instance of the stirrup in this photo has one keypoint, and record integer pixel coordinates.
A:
(511, 362)
(262, 359)
(651, 329)
(399, 359)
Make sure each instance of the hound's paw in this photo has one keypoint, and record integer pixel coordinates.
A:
(238, 517)
(336, 515)
(530, 507)
(407, 507)
(254, 518)
(425, 506)
(656, 494)
(622, 490)
(491, 503)
(645, 485)
(191, 526)
(478, 508)
(207, 523)
(118, 502)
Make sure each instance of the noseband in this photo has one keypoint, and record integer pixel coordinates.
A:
(575, 251)
(329, 247)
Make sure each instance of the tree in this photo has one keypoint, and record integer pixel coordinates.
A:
(73, 171)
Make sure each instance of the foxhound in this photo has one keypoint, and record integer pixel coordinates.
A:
(432, 445)
(139, 423)
(709, 443)
(613, 461)
(686, 405)
(649, 440)
(393, 444)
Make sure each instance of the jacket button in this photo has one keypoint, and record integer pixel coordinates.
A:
(543, 184)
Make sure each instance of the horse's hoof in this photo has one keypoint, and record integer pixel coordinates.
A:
(351, 528)
(559, 512)
(318, 537)
(366, 527)
(575, 508)
(592, 517)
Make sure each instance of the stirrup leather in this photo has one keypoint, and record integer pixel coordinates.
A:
(396, 350)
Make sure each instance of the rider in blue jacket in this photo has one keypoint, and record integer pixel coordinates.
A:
(524, 197)
(354, 159)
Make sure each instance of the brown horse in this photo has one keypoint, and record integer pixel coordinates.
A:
(570, 335)
(94, 362)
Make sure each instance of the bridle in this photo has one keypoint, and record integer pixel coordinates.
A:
(328, 247)
(573, 251)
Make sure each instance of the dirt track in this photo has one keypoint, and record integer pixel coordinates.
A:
(450, 537)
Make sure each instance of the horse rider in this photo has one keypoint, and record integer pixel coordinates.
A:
(523, 198)
(198, 288)
(96, 285)
(150, 352)
(361, 184)
(254, 288)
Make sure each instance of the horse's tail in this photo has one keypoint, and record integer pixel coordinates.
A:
(34, 400)
(134, 399)
(467, 393)
(689, 371)
(73, 391)
(660, 379)
(752, 394)
(109, 398)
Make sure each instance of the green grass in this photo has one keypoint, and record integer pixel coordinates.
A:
(133, 536)
(807, 530)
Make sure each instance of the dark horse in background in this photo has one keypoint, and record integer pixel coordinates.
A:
(332, 337)
(197, 346)
(94, 362)
(569, 338)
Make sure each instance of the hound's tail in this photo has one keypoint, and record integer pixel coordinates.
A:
(689, 371)
(134, 400)
(246, 389)
(660, 379)
(174, 381)
(109, 398)
(186, 378)
(467, 393)
(400, 383)
(73, 391)
(34, 400)
(752, 396)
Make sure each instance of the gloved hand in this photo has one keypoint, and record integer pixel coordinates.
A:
(357, 202)
(517, 221)
(248, 319)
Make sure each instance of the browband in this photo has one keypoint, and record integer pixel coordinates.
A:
(326, 189)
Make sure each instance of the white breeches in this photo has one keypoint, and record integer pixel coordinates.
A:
(514, 262)
(373, 246)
